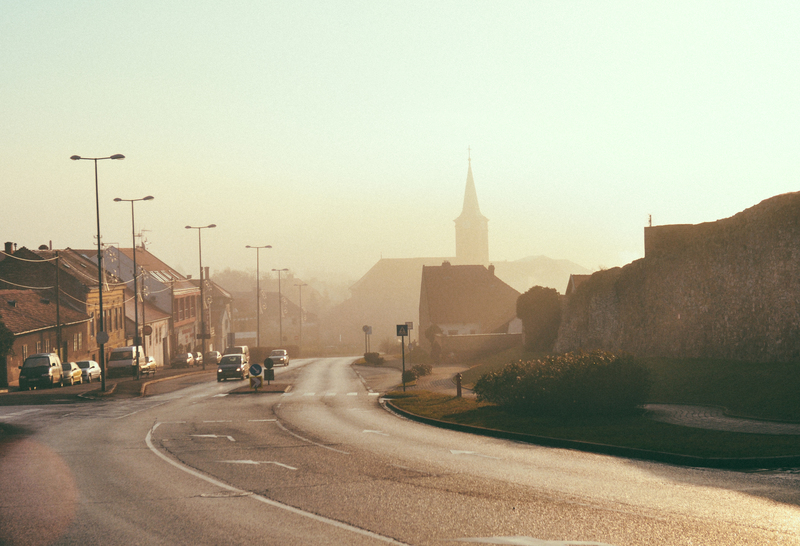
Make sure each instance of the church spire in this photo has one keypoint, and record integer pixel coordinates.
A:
(472, 227)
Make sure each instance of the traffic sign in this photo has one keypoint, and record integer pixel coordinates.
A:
(402, 330)
(268, 363)
(255, 369)
(255, 381)
(102, 338)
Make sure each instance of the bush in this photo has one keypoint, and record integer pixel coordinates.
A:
(540, 311)
(422, 369)
(595, 383)
(409, 376)
(418, 355)
(373, 358)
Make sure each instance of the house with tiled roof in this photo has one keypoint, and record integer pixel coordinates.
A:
(40, 324)
(469, 308)
(77, 279)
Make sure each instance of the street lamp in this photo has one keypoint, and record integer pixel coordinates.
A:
(202, 298)
(100, 336)
(137, 340)
(280, 306)
(300, 288)
(258, 294)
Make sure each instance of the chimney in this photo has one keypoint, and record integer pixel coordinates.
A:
(491, 270)
(9, 248)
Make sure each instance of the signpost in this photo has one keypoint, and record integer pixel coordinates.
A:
(402, 332)
(367, 332)
(269, 373)
(255, 376)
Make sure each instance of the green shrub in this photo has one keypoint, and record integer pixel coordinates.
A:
(373, 358)
(409, 376)
(418, 355)
(595, 383)
(422, 369)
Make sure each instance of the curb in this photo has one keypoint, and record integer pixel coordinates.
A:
(726, 463)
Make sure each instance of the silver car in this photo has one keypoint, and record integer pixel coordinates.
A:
(90, 370)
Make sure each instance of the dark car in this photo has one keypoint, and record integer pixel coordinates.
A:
(72, 373)
(183, 360)
(213, 357)
(40, 370)
(232, 366)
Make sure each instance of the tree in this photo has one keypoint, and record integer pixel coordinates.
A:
(540, 311)
(6, 340)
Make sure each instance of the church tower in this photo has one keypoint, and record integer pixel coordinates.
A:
(472, 228)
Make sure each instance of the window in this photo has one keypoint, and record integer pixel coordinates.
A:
(38, 346)
(47, 345)
(24, 352)
(80, 341)
(75, 343)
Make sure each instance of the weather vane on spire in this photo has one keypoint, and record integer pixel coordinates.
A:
(469, 154)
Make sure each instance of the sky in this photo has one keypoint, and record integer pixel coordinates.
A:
(338, 132)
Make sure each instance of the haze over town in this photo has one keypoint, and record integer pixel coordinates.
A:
(338, 132)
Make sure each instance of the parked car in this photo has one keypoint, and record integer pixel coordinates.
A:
(234, 365)
(122, 360)
(198, 358)
(183, 360)
(213, 357)
(40, 370)
(72, 373)
(280, 356)
(90, 370)
(148, 365)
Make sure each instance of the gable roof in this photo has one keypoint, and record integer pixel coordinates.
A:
(463, 294)
(24, 311)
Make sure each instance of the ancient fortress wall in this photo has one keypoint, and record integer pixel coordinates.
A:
(725, 289)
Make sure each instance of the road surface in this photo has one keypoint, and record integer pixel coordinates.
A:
(326, 464)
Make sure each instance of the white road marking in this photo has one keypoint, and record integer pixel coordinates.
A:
(260, 462)
(270, 502)
(261, 420)
(214, 436)
(375, 432)
(530, 541)
(352, 394)
(220, 421)
(220, 395)
(475, 453)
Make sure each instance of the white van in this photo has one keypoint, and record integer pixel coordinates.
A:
(122, 360)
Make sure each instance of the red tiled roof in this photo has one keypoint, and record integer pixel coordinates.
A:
(32, 310)
(467, 294)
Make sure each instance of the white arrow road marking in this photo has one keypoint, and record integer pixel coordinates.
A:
(376, 432)
(269, 502)
(260, 462)
(459, 452)
(214, 436)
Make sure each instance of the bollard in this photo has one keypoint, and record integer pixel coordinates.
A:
(458, 385)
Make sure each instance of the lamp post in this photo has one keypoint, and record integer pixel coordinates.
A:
(202, 298)
(100, 335)
(280, 306)
(258, 294)
(137, 340)
(300, 288)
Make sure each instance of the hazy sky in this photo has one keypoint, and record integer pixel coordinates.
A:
(337, 132)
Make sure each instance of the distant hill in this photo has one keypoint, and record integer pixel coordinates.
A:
(540, 270)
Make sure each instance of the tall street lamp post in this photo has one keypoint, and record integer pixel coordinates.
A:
(258, 293)
(137, 339)
(280, 306)
(100, 335)
(300, 340)
(203, 334)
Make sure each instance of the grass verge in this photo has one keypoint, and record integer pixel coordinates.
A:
(634, 431)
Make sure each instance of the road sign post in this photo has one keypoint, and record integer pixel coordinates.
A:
(402, 332)
(255, 376)
(269, 373)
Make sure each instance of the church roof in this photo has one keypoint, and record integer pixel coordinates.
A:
(471, 209)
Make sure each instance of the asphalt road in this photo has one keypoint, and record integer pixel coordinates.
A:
(324, 463)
